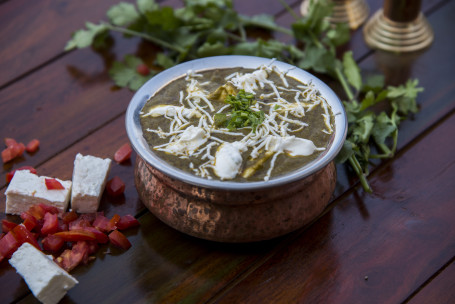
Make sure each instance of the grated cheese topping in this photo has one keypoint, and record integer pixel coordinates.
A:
(192, 132)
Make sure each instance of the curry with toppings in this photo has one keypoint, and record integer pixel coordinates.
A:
(237, 124)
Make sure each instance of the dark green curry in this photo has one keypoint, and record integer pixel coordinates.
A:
(237, 124)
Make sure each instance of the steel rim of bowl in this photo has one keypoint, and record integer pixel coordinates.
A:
(134, 129)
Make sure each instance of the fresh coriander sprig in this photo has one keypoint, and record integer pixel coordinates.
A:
(367, 128)
(241, 115)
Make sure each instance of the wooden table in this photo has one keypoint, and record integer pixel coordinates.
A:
(395, 245)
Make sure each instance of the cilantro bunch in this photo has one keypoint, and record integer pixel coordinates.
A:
(199, 29)
(241, 115)
(205, 28)
(368, 129)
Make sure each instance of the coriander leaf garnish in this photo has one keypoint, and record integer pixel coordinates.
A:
(241, 115)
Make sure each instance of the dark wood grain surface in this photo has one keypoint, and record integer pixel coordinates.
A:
(396, 245)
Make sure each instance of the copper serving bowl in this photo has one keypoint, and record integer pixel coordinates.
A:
(229, 211)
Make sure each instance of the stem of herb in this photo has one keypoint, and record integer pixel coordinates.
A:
(276, 28)
(358, 170)
(316, 40)
(395, 142)
(144, 36)
(386, 152)
(344, 83)
(240, 38)
(289, 9)
(242, 32)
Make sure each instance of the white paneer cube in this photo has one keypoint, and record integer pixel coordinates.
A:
(27, 189)
(89, 179)
(47, 281)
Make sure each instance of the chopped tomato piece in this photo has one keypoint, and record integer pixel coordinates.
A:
(115, 186)
(8, 245)
(36, 211)
(70, 258)
(52, 243)
(50, 224)
(113, 221)
(30, 223)
(101, 237)
(20, 148)
(102, 223)
(62, 226)
(29, 168)
(48, 208)
(25, 236)
(68, 217)
(7, 226)
(66, 260)
(76, 235)
(32, 146)
(13, 150)
(119, 239)
(92, 246)
(123, 153)
(10, 175)
(8, 154)
(53, 184)
(81, 249)
(10, 142)
(90, 217)
(127, 221)
(29, 220)
(79, 223)
(143, 69)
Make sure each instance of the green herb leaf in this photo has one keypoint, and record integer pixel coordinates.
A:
(124, 73)
(122, 14)
(317, 59)
(260, 48)
(212, 49)
(352, 71)
(373, 83)
(384, 127)
(404, 96)
(242, 115)
(368, 101)
(164, 18)
(345, 152)
(352, 110)
(339, 35)
(362, 129)
(164, 60)
(147, 6)
(84, 38)
(263, 20)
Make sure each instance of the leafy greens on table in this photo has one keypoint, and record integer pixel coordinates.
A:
(205, 28)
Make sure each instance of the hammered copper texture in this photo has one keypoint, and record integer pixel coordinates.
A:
(234, 216)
